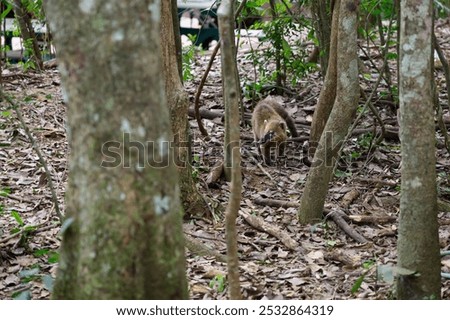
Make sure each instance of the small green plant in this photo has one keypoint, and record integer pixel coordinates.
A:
(52, 256)
(33, 274)
(218, 283)
(365, 141)
(23, 229)
(331, 243)
(4, 192)
(188, 61)
(367, 266)
(195, 167)
(341, 174)
(288, 56)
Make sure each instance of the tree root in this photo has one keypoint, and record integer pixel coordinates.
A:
(261, 225)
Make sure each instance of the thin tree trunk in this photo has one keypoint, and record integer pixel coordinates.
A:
(231, 102)
(278, 48)
(178, 103)
(418, 242)
(27, 32)
(328, 92)
(323, 11)
(344, 110)
(231, 71)
(124, 238)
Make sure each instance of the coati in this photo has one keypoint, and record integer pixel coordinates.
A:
(269, 122)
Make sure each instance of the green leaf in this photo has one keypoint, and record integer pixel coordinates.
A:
(286, 48)
(53, 257)
(40, 252)
(6, 10)
(30, 228)
(218, 282)
(15, 230)
(392, 56)
(6, 113)
(358, 283)
(17, 217)
(5, 192)
(331, 243)
(368, 264)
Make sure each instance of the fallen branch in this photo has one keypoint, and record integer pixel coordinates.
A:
(38, 152)
(349, 197)
(390, 132)
(343, 257)
(206, 114)
(200, 249)
(378, 182)
(276, 203)
(334, 215)
(337, 217)
(261, 225)
(28, 228)
(248, 154)
(17, 198)
(376, 219)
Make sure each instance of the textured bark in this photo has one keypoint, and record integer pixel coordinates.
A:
(328, 92)
(178, 102)
(125, 240)
(418, 242)
(344, 110)
(231, 89)
(322, 10)
(229, 70)
(27, 32)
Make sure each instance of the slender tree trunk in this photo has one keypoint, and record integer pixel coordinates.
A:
(124, 238)
(231, 102)
(27, 32)
(323, 10)
(341, 117)
(328, 92)
(178, 102)
(278, 48)
(231, 71)
(418, 242)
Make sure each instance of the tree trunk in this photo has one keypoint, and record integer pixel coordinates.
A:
(322, 10)
(231, 101)
(328, 92)
(124, 238)
(418, 241)
(278, 47)
(344, 110)
(231, 71)
(27, 32)
(178, 102)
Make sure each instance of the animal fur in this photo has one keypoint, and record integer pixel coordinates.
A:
(269, 122)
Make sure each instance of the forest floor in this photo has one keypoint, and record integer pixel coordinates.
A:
(280, 259)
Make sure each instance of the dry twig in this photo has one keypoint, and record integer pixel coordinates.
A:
(38, 152)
